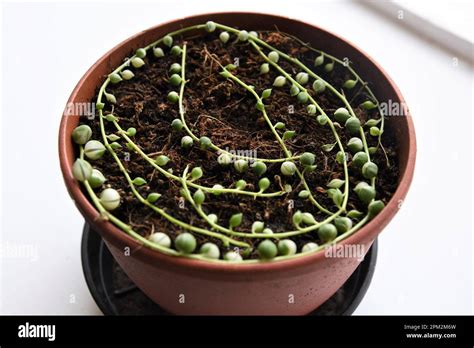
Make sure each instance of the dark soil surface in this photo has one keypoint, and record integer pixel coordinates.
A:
(226, 113)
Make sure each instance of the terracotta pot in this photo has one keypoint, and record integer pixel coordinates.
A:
(263, 288)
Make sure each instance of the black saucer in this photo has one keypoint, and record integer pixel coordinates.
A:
(115, 294)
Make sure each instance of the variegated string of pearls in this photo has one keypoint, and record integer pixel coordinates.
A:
(334, 228)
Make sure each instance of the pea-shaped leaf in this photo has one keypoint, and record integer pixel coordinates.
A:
(368, 105)
(328, 147)
(139, 181)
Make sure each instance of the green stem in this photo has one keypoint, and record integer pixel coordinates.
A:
(256, 42)
(150, 205)
(358, 78)
(331, 125)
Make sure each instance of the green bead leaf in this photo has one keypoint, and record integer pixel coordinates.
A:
(110, 118)
(81, 134)
(139, 181)
(370, 170)
(372, 150)
(353, 125)
(96, 179)
(210, 26)
(329, 67)
(365, 192)
(307, 159)
(336, 183)
(137, 62)
(259, 168)
(349, 84)
(368, 105)
(199, 197)
(343, 224)
(342, 115)
(328, 147)
(327, 232)
(131, 131)
(241, 165)
(205, 142)
(235, 220)
(177, 124)
(279, 81)
(274, 56)
(263, 184)
(153, 197)
(196, 173)
(81, 170)
(224, 37)
(288, 135)
(297, 218)
(319, 86)
(267, 249)
(113, 137)
(168, 40)
(127, 74)
(336, 195)
(185, 243)
(375, 207)
(175, 80)
(288, 168)
(360, 158)
(372, 122)
(264, 68)
(162, 160)
(374, 131)
(240, 184)
(115, 78)
(257, 227)
(115, 146)
(140, 53)
(279, 125)
(94, 149)
(260, 106)
(322, 119)
(176, 50)
(175, 68)
(355, 214)
(304, 194)
(266, 93)
(173, 97)
(302, 97)
(110, 98)
(287, 247)
(243, 35)
(302, 78)
(355, 145)
(158, 52)
(308, 219)
(186, 142)
(319, 60)
(294, 90)
(226, 74)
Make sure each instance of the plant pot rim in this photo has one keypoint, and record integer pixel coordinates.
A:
(110, 232)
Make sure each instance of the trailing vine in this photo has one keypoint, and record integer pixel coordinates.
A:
(275, 245)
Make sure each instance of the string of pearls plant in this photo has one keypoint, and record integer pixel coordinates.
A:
(305, 85)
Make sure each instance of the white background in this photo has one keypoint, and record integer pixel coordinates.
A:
(425, 255)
